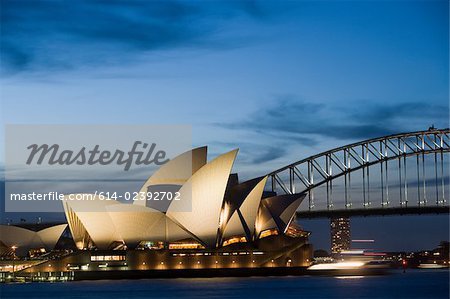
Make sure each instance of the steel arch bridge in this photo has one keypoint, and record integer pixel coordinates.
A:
(406, 155)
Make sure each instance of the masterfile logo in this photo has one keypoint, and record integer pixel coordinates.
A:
(52, 155)
(63, 159)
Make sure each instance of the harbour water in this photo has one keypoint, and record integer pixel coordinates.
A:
(412, 284)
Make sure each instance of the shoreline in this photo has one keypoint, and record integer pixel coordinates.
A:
(197, 273)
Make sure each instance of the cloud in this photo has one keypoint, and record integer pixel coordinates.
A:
(250, 153)
(46, 35)
(289, 117)
(382, 112)
(268, 154)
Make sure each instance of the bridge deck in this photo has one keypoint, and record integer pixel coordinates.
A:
(374, 212)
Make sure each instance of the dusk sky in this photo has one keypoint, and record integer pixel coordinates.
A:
(280, 81)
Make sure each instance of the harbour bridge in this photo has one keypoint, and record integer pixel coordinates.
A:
(398, 174)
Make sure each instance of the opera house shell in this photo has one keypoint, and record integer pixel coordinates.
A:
(211, 210)
(25, 239)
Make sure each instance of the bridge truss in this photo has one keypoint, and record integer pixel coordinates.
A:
(390, 157)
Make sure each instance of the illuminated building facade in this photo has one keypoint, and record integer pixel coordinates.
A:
(340, 234)
(227, 225)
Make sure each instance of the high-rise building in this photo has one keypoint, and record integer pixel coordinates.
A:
(340, 234)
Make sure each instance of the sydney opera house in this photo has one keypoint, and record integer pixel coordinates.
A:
(219, 227)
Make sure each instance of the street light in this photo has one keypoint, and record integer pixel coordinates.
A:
(14, 247)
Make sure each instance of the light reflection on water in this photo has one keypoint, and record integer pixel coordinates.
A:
(412, 284)
(349, 277)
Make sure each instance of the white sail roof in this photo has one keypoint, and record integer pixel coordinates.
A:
(49, 236)
(136, 223)
(177, 171)
(25, 239)
(250, 206)
(249, 211)
(202, 195)
(96, 220)
(277, 212)
(234, 227)
(79, 233)
(16, 236)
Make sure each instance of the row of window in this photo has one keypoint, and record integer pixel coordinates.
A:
(96, 258)
(219, 253)
(101, 258)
